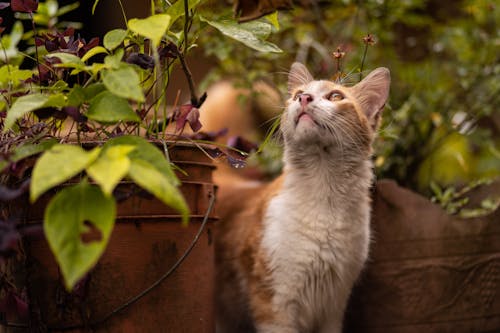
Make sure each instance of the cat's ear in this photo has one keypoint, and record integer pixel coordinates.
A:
(372, 93)
(298, 76)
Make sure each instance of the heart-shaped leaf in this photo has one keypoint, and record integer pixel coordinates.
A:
(71, 214)
(109, 108)
(58, 164)
(152, 27)
(124, 82)
(111, 166)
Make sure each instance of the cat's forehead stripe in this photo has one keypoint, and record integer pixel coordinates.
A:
(322, 85)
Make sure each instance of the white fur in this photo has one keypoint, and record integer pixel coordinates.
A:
(317, 235)
(316, 229)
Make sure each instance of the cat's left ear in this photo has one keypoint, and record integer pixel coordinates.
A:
(372, 93)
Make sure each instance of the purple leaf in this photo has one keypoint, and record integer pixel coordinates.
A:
(7, 194)
(193, 119)
(25, 6)
(74, 113)
(242, 144)
(4, 5)
(9, 238)
(142, 60)
(180, 116)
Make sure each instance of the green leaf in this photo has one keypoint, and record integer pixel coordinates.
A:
(242, 34)
(148, 177)
(124, 82)
(30, 149)
(22, 106)
(177, 9)
(111, 166)
(57, 165)
(67, 218)
(93, 51)
(13, 76)
(93, 90)
(109, 108)
(261, 30)
(152, 27)
(68, 59)
(146, 151)
(114, 38)
(76, 96)
(273, 19)
(56, 100)
(114, 60)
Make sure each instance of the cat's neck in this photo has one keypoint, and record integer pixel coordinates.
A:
(327, 171)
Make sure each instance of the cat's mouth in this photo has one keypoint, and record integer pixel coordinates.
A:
(304, 116)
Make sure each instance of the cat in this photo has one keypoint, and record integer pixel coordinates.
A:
(288, 252)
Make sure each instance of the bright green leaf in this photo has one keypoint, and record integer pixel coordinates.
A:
(66, 219)
(22, 106)
(57, 165)
(109, 108)
(155, 182)
(152, 27)
(273, 19)
(111, 166)
(114, 38)
(146, 151)
(94, 51)
(114, 60)
(56, 101)
(13, 76)
(244, 34)
(124, 82)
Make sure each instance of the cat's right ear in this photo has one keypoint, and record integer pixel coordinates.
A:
(298, 76)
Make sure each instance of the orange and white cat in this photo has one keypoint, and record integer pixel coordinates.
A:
(288, 252)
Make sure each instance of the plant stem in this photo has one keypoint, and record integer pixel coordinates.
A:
(36, 48)
(123, 12)
(189, 77)
(186, 26)
(363, 62)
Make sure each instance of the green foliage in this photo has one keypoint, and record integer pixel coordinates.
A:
(72, 213)
(441, 121)
(68, 160)
(153, 27)
(252, 34)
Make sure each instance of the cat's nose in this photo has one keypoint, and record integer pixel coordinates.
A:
(305, 99)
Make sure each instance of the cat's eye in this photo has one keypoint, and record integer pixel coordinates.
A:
(335, 96)
(297, 94)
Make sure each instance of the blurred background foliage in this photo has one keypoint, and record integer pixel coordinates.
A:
(442, 121)
(441, 125)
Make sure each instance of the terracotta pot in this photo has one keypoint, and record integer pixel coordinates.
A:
(147, 241)
(429, 271)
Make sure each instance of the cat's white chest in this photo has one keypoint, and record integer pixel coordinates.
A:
(316, 252)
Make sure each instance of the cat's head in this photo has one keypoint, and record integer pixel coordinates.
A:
(324, 113)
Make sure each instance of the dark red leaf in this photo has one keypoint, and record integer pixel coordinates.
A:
(7, 194)
(25, 6)
(193, 119)
(9, 238)
(180, 115)
(242, 144)
(74, 113)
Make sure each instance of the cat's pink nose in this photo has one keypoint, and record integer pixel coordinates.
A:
(305, 99)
